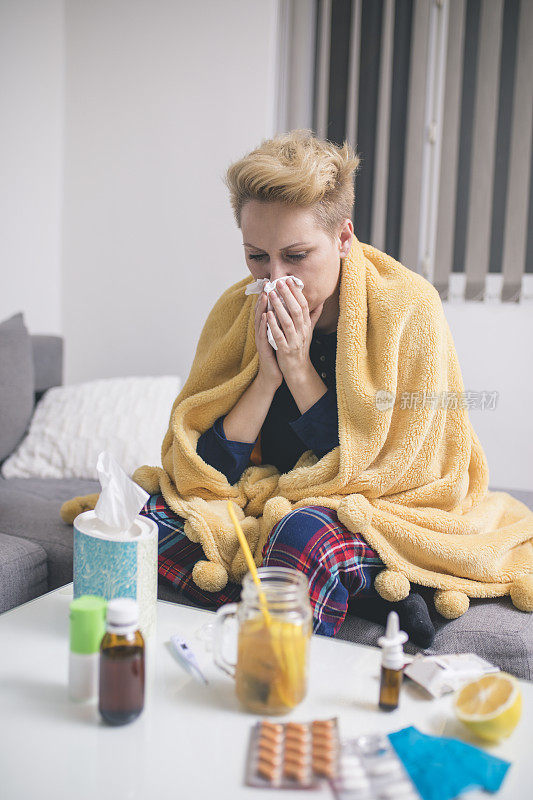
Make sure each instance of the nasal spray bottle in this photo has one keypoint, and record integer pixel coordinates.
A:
(392, 663)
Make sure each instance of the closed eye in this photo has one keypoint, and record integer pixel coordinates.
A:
(293, 256)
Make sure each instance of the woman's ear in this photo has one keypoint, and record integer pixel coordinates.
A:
(346, 235)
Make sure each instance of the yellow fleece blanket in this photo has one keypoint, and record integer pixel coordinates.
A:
(409, 474)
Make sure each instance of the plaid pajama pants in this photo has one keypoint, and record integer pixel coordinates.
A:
(338, 564)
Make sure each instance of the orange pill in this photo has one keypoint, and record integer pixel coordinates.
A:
(272, 726)
(296, 771)
(323, 747)
(296, 726)
(296, 735)
(271, 730)
(270, 736)
(322, 733)
(326, 770)
(266, 746)
(323, 741)
(294, 758)
(296, 743)
(296, 748)
(323, 755)
(323, 752)
(267, 770)
(323, 723)
(323, 744)
(268, 757)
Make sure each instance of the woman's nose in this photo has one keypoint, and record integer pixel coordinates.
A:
(277, 272)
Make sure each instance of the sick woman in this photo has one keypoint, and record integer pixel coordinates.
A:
(293, 201)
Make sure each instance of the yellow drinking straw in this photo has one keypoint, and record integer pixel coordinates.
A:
(262, 600)
(251, 563)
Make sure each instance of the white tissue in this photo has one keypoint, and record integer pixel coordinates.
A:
(263, 284)
(121, 499)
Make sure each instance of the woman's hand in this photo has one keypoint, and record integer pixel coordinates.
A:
(269, 370)
(293, 334)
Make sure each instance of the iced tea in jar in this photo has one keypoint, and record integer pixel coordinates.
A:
(272, 648)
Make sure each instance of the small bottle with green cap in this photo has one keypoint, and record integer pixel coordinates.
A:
(87, 628)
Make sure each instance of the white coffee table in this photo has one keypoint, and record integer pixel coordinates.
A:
(190, 741)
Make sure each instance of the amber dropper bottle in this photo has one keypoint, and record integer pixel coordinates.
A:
(121, 684)
(392, 663)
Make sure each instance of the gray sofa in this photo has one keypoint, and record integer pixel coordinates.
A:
(36, 557)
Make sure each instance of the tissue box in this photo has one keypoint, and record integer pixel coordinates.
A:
(118, 564)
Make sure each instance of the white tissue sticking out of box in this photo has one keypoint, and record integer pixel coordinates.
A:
(263, 284)
(121, 499)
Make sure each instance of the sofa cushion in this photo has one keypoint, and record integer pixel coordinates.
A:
(17, 383)
(29, 508)
(72, 424)
(47, 362)
(23, 571)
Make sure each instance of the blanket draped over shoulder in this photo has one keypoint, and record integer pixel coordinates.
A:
(409, 474)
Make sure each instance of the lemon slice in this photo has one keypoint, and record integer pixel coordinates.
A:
(490, 706)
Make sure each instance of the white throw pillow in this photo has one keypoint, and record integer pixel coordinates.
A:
(72, 424)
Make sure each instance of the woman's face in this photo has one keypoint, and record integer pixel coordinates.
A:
(280, 240)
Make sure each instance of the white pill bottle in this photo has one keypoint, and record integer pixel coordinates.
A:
(87, 628)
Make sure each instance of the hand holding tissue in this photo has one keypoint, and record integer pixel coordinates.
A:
(115, 548)
(264, 285)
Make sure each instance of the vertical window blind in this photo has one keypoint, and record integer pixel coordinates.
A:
(436, 96)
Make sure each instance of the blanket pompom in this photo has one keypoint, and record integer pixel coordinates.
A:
(209, 576)
(522, 593)
(451, 603)
(148, 478)
(355, 513)
(191, 533)
(392, 585)
(71, 508)
(274, 510)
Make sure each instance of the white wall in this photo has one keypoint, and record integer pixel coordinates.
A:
(31, 158)
(119, 118)
(494, 344)
(160, 98)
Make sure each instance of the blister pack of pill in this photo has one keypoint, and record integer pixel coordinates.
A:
(370, 769)
(292, 755)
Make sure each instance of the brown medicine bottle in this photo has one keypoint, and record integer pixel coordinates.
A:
(121, 680)
(392, 663)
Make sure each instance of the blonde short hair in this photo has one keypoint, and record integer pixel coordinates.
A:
(298, 169)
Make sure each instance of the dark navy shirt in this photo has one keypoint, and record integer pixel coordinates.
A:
(285, 433)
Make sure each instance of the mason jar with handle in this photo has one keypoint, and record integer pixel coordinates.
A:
(273, 640)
